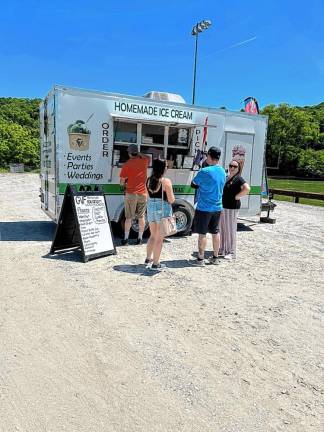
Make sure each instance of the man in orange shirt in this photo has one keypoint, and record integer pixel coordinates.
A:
(133, 175)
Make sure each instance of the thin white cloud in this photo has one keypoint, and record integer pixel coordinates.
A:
(242, 43)
(237, 44)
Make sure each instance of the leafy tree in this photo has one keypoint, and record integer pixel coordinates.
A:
(291, 131)
(295, 135)
(17, 144)
(311, 163)
(19, 131)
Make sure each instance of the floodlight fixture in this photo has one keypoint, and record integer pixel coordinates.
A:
(198, 28)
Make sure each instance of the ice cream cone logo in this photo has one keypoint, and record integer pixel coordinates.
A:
(79, 136)
(238, 154)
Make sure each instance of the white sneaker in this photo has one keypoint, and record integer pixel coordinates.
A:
(228, 257)
(148, 263)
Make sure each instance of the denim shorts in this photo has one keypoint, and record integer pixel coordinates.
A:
(154, 209)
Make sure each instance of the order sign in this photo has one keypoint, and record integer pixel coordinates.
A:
(94, 224)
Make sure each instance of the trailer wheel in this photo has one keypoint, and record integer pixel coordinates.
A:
(184, 218)
(134, 227)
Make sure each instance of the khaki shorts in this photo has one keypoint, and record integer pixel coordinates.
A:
(135, 205)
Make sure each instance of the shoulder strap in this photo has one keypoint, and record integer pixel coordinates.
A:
(162, 194)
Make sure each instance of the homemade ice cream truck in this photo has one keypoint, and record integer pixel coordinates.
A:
(85, 134)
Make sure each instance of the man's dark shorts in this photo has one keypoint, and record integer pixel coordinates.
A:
(205, 222)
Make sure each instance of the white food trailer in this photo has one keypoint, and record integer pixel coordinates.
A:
(85, 134)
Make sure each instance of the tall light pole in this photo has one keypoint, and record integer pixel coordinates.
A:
(198, 28)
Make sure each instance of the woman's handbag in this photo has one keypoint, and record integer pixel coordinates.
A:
(168, 225)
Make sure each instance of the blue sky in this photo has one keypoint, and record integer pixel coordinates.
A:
(273, 50)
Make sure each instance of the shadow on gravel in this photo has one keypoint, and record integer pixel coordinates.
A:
(27, 231)
(140, 269)
(70, 255)
(244, 227)
(178, 263)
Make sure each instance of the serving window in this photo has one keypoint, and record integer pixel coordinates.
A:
(172, 143)
(178, 137)
(178, 147)
(125, 132)
(153, 134)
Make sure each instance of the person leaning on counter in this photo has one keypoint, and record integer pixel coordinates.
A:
(133, 176)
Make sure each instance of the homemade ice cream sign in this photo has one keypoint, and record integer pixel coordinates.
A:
(84, 224)
(158, 112)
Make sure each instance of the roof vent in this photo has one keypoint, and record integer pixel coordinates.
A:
(163, 96)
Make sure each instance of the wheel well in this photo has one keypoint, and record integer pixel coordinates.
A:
(184, 203)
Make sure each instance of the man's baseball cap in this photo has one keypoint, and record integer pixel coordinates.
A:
(214, 152)
(132, 149)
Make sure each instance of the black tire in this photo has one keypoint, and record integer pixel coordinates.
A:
(134, 228)
(184, 218)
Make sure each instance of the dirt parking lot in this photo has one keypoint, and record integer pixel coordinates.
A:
(106, 346)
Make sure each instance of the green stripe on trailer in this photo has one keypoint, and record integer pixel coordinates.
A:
(115, 189)
(255, 190)
(183, 190)
(112, 189)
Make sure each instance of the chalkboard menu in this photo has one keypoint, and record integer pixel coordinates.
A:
(84, 224)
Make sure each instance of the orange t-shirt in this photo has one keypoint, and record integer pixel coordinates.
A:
(135, 171)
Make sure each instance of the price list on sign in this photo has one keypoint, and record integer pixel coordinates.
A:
(94, 226)
(84, 224)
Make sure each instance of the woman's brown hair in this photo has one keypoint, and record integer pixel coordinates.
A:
(158, 169)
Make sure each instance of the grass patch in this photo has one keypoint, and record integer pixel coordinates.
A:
(297, 185)
(301, 186)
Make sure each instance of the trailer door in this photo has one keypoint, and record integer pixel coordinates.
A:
(240, 146)
(48, 166)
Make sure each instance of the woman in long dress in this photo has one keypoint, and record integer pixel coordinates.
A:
(235, 188)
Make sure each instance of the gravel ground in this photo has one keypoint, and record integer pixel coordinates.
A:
(106, 346)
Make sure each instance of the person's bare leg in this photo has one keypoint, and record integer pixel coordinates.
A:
(216, 243)
(202, 241)
(151, 241)
(141, 227)
(128, 224)
(157, 250)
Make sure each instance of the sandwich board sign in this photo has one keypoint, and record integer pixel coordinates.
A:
(84, 224)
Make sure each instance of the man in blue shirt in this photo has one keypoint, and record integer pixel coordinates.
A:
(210, 184)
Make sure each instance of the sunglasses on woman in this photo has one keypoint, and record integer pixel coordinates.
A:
(233, 166)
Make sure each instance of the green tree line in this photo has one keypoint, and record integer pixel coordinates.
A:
(295, 140)
(19, 131)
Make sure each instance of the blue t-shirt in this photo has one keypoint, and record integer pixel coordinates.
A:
(211, 182)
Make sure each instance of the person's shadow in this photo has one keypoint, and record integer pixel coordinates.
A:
(140, 269)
